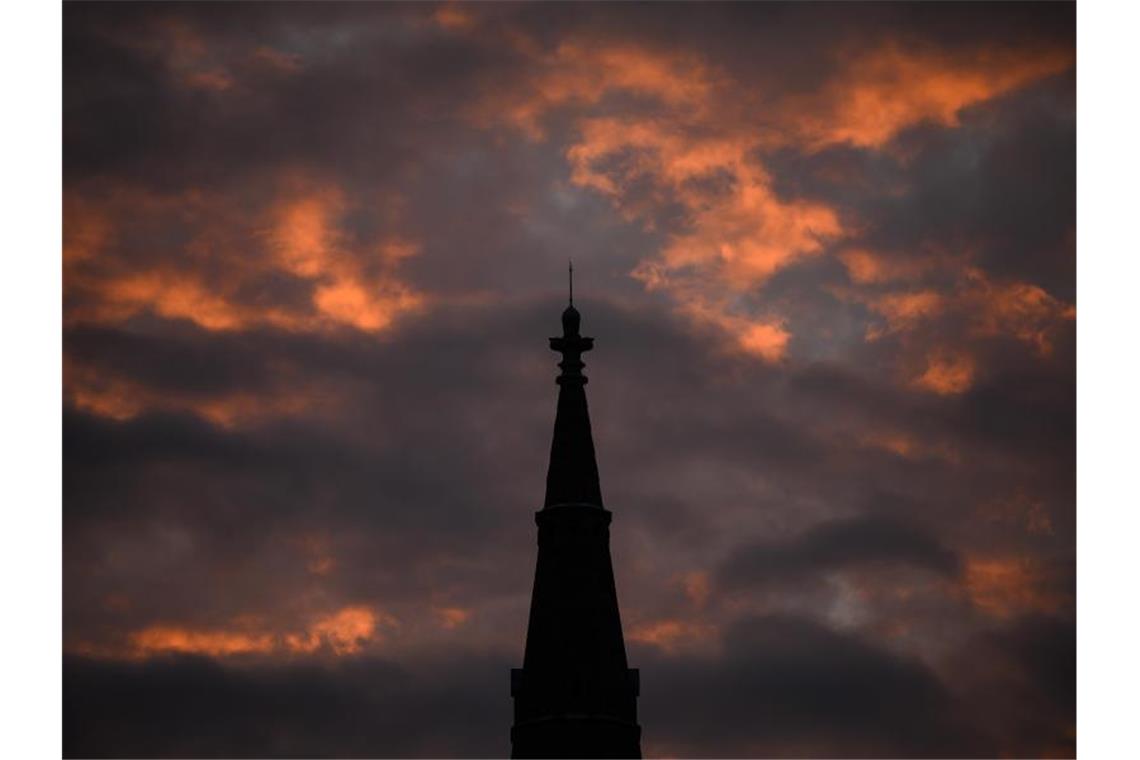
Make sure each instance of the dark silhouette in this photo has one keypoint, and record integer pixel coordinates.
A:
(575, 695)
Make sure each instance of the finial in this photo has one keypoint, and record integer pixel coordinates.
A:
(571, 345)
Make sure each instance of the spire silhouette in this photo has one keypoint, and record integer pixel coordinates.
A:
(575, 695)
(572, 477)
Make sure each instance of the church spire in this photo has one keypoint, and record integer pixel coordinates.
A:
(575, 695)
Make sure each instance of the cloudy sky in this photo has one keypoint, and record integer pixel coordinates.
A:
(312, 255)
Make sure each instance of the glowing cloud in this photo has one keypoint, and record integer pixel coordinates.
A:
(672, 635)
(902, 310)
(1020, 309)
(215, 643)
(947, 373)
(699, 149)
(451, 618)
(346, 630)
(120, 398)
(343, 632)
(303, 235)
(738, 234)
(1006, 586)
(881, 91)
(453, 17)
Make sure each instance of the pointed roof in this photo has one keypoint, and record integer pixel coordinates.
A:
(573, 474)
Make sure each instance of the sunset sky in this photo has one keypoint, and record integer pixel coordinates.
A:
(312, 255)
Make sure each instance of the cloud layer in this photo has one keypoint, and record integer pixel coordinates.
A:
(311, 257)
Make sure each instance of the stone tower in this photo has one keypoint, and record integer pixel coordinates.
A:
(575, 695)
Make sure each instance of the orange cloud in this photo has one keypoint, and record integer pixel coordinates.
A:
(1019, 309)
(119, 398)
(867, 267)
(346, 630)
(350, 302)
(177, 46)
(86, 229)
(739, 232)
(174, 296)
(288, 63)
(1021, 510)
(902, 310)
(582, 74)
(95, 393)
(762, 337)
(697, 587)
(947, 373)
(343, 632)
(880, 91)
(986, 307)
(896, 443)
(453, 17)
(989, 308)
(863, 266)
(1007, 586)
(302, 233)
(191, 62)
(672, 635)
(161, 639)
(451, 618)
(309, 243)
(767, 341)
(214, 80)
(907, 446)
(101, 288)
(700, 150)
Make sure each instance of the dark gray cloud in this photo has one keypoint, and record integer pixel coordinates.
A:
(835, 545)
(374, 90)
(193, 707)
(788, 686)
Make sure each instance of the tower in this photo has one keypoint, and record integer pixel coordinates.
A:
(575, 695)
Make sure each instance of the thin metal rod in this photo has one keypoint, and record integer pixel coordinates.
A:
(571, 283)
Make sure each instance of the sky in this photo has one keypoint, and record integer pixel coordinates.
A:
(312, 255)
